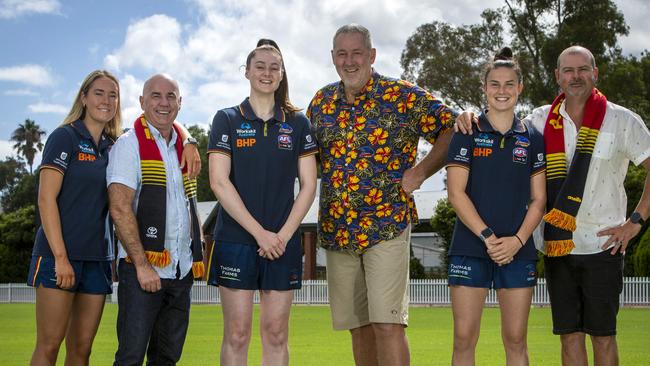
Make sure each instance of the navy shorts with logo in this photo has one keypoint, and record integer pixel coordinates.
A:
(90, 277)
(239, 266)
(485, 273)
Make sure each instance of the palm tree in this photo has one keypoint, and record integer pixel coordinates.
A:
(27, 138)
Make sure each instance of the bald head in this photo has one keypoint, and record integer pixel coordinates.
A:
(577, 50)
(156, 78)
(161, 102)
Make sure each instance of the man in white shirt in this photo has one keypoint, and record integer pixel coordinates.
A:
(586, 230)
(150, 207)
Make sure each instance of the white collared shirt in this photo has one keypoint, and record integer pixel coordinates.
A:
(124, 168)
(623, 138)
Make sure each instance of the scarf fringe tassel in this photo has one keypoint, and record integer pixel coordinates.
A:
(158, 259)
(198, 269)
(561, 220)
(558, 248)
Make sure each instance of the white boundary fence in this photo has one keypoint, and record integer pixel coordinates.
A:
(636, 292)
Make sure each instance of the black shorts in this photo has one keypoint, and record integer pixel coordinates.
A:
(584, 292)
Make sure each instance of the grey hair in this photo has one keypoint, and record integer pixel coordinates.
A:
(577, 50)
(354, 28)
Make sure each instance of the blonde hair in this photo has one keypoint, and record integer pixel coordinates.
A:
(78, 111)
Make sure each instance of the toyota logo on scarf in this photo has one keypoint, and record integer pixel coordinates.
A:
(151, 232)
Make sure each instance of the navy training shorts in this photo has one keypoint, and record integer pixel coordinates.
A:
(239, 266)
(485, 273)
(90, 277)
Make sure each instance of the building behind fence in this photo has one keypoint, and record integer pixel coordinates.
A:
(636, 292)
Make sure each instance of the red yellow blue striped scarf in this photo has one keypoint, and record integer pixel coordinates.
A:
(152, 202)
(565, 191)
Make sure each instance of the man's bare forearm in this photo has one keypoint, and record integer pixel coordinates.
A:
(121, 199)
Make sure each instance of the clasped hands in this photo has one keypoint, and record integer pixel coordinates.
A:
(271, 245)
(502, 250)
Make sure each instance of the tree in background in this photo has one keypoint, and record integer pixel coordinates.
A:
(27, 138)
(24, 193)
(448, 59)
(442, 222)
(641, 256)
(203, 191)
(17, 231)
(11, 171)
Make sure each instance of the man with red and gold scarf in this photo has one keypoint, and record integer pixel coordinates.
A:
(589, 143)
(153, 203)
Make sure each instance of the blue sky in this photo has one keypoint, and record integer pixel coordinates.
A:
(48, 46)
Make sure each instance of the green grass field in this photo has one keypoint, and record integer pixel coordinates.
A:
(312, 342)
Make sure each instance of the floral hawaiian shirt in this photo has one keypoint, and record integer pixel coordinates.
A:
(365, 147)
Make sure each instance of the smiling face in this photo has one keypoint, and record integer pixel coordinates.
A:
(502, 89)
(160, 102)
(353, 61)
(265, 71)
(575, 74)
(101, 101)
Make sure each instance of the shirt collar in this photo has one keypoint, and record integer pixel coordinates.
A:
(369, 89)
(247, 112)
(485, 126)
(82, 131)
(158, 136)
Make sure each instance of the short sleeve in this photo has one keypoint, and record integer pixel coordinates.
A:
(637, 139)
(307, 144)
(538, 158)
(220, 136)
(460, 151)
(124, 162)
(432, 116)
(58, 150)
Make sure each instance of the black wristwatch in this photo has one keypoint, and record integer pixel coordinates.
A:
(636, 218)
(486, 233)
(190, 140)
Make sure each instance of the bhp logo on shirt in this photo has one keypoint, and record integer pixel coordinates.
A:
(86, 157)
(245, 142)
(482, 151)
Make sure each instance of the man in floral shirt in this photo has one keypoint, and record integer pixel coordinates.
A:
(368, 127)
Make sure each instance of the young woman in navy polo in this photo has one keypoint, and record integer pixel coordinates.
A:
(73, 249)
(257, 150)
(71, 258)
(496, 183)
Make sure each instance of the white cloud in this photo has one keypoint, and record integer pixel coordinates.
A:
(15, 8)
(6, 149)
(27, 74)
(48, 108)
(205, 55)
(151, 43)
(20, 93)
(130, 90)
(636, 17)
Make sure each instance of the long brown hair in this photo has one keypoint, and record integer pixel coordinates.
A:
(78, 111)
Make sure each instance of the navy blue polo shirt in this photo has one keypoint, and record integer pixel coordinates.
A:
(500, 168)
(264, 165)
(83, 199)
